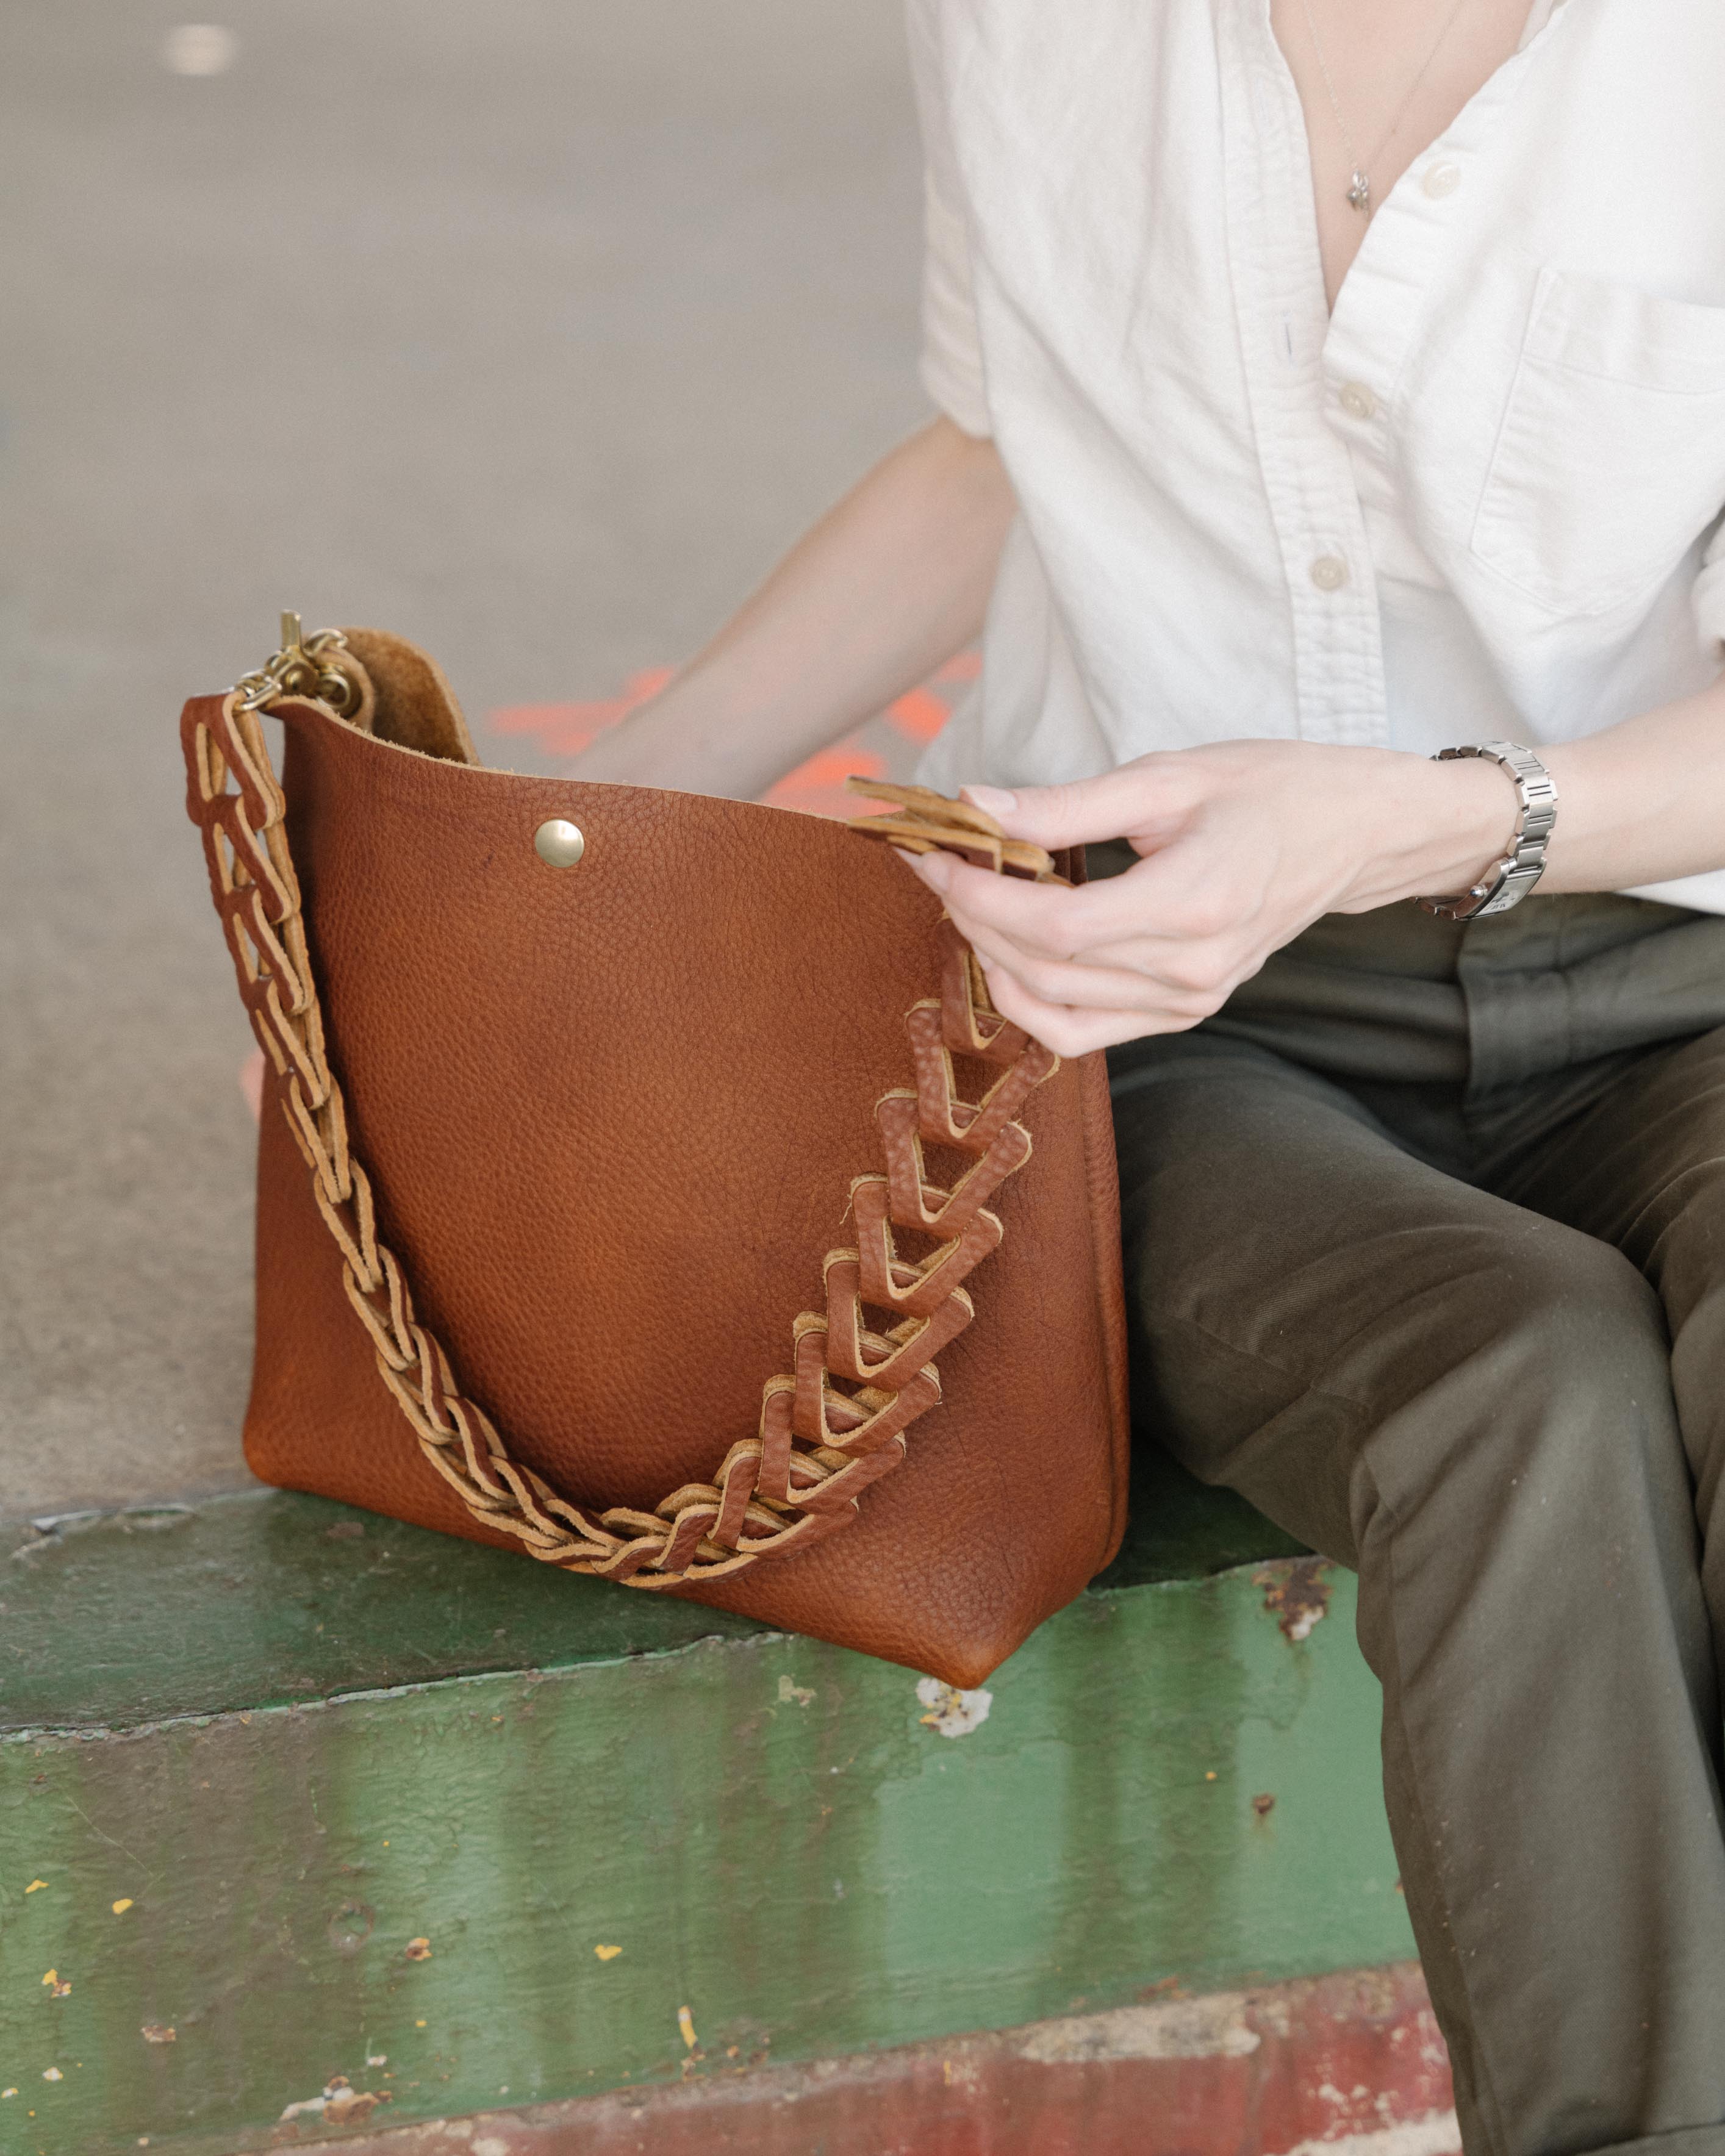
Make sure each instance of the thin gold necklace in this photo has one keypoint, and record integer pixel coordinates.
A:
(1359, 185)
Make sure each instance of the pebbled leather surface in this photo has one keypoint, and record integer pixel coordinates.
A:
(612, 1114)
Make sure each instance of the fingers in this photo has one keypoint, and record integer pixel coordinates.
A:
(1109, 981)
(1082, 812)
(1067, 1031)
(1057, 922)
(1149, 952)
(1168, 898)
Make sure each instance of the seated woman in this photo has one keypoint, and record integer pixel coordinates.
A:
(1324, 386)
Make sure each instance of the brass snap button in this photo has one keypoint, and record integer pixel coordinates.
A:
(559, 845)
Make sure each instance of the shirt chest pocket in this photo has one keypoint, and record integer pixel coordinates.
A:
(1611, 461)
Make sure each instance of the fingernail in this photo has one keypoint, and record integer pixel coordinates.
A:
(995, 799)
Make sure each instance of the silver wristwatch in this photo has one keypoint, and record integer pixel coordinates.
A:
(1507, 882)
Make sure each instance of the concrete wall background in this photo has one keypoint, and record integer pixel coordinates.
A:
(532, 331)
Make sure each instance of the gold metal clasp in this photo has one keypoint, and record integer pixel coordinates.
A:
(293, 651)
(305, 666)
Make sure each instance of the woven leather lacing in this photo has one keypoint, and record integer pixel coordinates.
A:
(831, 1425)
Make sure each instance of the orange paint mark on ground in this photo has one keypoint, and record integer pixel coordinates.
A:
(921, 715)
(817, 787)
(565, 727)
(569, 728)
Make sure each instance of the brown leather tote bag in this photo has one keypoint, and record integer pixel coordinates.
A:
(645, 1182)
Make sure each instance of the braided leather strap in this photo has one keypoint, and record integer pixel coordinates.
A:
(819, 1444)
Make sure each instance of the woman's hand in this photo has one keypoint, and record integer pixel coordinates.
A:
(1243, 844)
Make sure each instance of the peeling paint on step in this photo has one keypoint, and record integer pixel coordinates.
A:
(1296, 1594)
(953, 1712)
(1436, 2134)
(53, 1528)
(1210, 2028)
(340, 2103)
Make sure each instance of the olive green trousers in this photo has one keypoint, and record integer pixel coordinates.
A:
(1425, 1255)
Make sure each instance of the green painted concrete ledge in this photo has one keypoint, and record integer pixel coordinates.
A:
(289, 1792)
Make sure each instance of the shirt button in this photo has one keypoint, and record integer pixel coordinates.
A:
(1358, 401)
(1442, 180)
(1329, 572)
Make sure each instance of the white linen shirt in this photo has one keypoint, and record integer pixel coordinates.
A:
(1482, 500)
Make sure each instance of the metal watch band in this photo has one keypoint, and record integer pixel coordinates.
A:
(1507, 882)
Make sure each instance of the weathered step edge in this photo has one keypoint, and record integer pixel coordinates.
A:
(1353, 2059)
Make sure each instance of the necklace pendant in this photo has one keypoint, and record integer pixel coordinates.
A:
(1359, 193)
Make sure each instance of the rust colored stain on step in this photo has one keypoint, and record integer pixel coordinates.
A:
(1354, 2058)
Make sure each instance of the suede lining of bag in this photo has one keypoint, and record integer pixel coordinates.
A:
(405, 699)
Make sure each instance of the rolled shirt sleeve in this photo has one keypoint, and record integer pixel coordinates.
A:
(951, 363)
